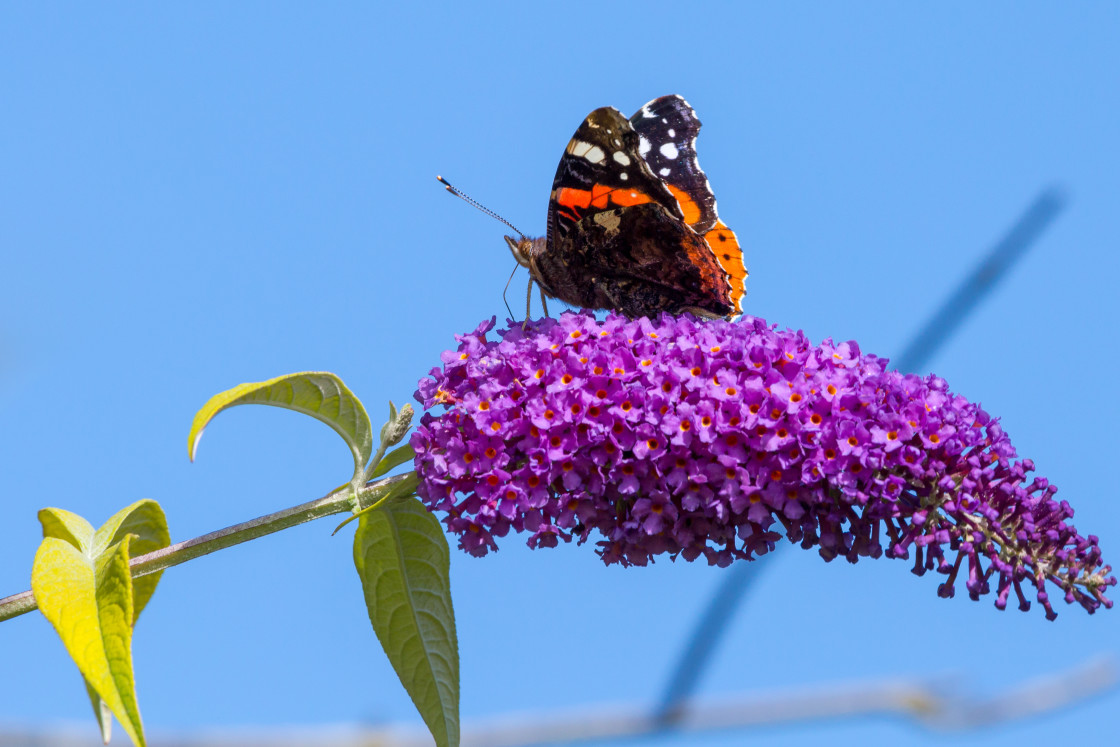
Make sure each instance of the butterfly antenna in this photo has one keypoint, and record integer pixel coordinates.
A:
(471, 201)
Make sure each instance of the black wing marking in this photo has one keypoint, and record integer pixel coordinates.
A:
(667, 128)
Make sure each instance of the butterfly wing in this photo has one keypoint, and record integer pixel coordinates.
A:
(602, 169)
(617, 236)
(667, 128)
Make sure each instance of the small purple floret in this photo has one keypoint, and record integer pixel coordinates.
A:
(714, 439)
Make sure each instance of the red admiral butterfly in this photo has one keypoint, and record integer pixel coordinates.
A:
(632, 221)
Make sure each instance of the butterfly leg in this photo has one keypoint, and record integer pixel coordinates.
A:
(528, 303)
(544, 303)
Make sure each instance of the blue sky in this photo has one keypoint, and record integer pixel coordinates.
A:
(199, 196)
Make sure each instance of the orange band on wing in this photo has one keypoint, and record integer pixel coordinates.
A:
(730, 257)
(627, 197)
(573, 198)
(688, 205)
(600, 196)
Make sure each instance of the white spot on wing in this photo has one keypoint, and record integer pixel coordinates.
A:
(669, 150)
(623, 176)
(578, 148)
(595, 155)
(672, 132)
(621, 157)
(643, 147)
(665, 171)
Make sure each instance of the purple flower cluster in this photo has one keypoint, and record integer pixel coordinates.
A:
(713, 438)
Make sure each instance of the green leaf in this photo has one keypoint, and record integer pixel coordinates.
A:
(403, 560)
(88, 600)
(69, 527)
(101, 711)
(321, 395)
(394, 458)
(72, 557)
(146, 522)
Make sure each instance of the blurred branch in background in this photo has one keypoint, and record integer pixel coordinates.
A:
(942, 703)
(929, 339)
(982, 281)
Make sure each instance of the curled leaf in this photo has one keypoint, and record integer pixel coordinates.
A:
(319, 394)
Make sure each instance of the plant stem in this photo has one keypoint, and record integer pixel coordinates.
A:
(335, 502)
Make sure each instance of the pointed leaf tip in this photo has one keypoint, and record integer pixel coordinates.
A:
(192, 446)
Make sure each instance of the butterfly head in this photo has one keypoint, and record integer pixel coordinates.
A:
(524, 249)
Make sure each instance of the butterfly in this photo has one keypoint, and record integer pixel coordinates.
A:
(632, 222)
